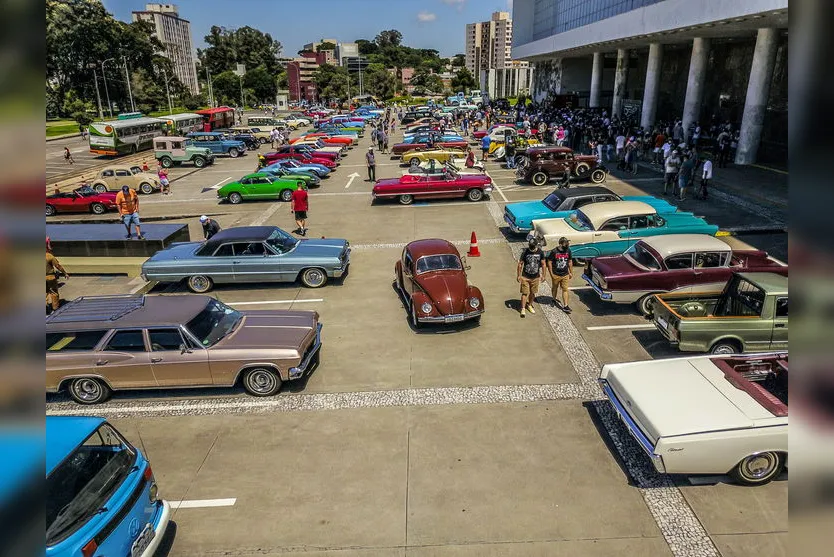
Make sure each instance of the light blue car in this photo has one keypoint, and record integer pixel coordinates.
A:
(218, 143)
(101, 495)
(560, 203)
(411, 138)
(293, 165)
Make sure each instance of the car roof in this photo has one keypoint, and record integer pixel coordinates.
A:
(550, 149)
(431, 246)
(125, 311)
(769, 282)
(169, 137)
(241, 234)
(598, 213)
(64, 434)
(584, 191)
(673, 244)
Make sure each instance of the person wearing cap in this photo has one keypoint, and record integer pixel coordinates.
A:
(560, 268)
(529, 273)
(128, 203)
(210, 227)
(371, 160)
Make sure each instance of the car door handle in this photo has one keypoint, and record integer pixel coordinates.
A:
(779, 326)
(154, 360)
(235, 262)
(598, 234)
(102, 362)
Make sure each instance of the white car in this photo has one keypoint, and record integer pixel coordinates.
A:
(297, 122)
(706, 414)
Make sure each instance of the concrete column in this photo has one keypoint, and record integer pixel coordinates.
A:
(620, 80)
(596, 80)
(695, 84)
(758, 91)
(652, 88)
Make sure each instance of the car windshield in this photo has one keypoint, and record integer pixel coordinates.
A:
(554, 201)
(639, 255)
(85, 190)
(578, 221)
(280, 241)
(444, 262)
(78, 488)
(213, 323)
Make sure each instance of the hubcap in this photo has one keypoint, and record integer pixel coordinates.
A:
(199, 283)
(759, 466)
(261, 381)
(86, 389)
(724, 349)
(314, 277)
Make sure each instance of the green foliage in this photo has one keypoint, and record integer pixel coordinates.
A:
(425, 82)
(246, 45)
(262, 83)
(326, 46)
(379, 82)
(391, 37)
(332, 82)
(193, 102)
(463, 80)
(79, 110)
(226, 87)
(459, 60)
(367, 47)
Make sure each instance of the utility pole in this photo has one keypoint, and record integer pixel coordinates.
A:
(242, 102)
(129, 91)
(106, 90)
(168, 91)
(98, 95)
(361, 90)
(210, 90)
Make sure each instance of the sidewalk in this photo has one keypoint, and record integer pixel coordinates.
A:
(65, 136)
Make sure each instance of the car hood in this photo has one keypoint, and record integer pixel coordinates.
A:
(447, 290)
(329, 247)
(528, 210)
(288, 330)
(553, 227)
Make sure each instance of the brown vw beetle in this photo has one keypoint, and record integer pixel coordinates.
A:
(431, 277)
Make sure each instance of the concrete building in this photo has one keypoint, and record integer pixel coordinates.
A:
(175, 34)
(346, 50)
(488, 56)
(336, 56)
(705, 61)
(301, 75)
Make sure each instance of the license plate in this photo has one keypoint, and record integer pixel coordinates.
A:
(142, 542)
(453, 318)
(662, 322)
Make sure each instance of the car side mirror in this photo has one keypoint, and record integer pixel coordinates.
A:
(184, 349)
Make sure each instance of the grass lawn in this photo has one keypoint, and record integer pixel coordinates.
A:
(61, 127)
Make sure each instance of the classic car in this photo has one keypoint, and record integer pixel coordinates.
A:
(749, 315)
(439, 154)
(675, 263)
(173, 151)
(437, 136)
(611, 227)
(494, 131)
(422, 144)
(323, 144)
(295, 166)
(251, 141)
(436, 168)
(262, 135)
(334, 130)
(310, 178)
(343, 126)
(560, 202)
(311, 150)
(333, 138)
(422, 128)
(218, 143)
(267, 123)
(294, 122)
(541, 164)
(449, 185)
(707, 414)
(152, 342)
(250, 254)
(431, 278)
(414, 118)
(80, 200)
(114, 177)
(260, 185)
(298, 155)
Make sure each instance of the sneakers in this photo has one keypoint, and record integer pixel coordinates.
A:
(567, 309)
(531, 309)
(140, 237)
(297, 231)
(303, 231)
(128, 237)
(522, 312)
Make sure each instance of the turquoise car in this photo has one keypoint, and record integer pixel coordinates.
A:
(611, 228)
(560, 202)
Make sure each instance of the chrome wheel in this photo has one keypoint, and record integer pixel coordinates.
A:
(286, 195)
(406, 199)
(582, 169)
(414, 163)
(724, 348)
(539, 179)
(50, 210)
(146, 188)
(166, 162)
(199, 284)
(474, 195)
(98, 208)
(598, 176)
(235, 198)
(233, 152)
(645, 304)
(199, 162)
(758, 468)
(100, 188)
(261, 382)
(313, 278)
(87, 390)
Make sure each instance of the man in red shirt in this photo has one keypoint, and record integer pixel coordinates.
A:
(299, 206)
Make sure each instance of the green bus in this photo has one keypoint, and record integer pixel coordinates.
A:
(184, 123)
(129, 133)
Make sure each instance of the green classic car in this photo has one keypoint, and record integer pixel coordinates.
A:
(259, 185)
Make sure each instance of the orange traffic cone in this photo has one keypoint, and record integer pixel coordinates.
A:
(473, 246)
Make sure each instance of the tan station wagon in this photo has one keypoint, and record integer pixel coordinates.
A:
(114, 177)
(98, 344)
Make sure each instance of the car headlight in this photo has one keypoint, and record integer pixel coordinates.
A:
(474, 303)
(153, 492)
(426, 308)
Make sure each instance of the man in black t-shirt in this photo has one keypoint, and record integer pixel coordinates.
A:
(530, 270)
(560, 267)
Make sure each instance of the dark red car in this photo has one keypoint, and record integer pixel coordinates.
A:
(298, 155)
(672, 263)
(448, 185)
(431, 277)
(309, 150)
(422, 144)
(81, 200)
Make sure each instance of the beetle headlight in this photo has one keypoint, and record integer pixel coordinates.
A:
(474, 303)
(153, 492)
(426, 308)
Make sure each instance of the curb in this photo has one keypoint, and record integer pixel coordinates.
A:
(144, 219)
(60, 137)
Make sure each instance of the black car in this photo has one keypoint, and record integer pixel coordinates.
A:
(252, 142)
(410, 117)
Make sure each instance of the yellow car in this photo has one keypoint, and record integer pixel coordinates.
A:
(442, 155)
(113, 178)
(532, 142)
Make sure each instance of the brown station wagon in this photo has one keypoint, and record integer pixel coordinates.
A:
(98, 344)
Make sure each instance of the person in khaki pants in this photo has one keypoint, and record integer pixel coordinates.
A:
(560, 268)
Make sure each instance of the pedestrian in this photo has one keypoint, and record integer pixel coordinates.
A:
(560, 269)
(723, 148)
(68, 156)
(163, 180)
(385, 143)
(128, 203)
(706, 176)
(371, 160)
(620, 141)
(677, 132)
(273, 137)
(145, 167)
(529, 273)
(485, 147)
(685, 176)
(380, 139)
(53, 271)
(671, 166)
(299, 207)
(210, 227)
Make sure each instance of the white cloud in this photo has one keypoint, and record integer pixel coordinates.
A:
(458, 3)
(424, 17)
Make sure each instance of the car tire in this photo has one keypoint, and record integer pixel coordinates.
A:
(286, 195)
(406, 199)
(725, 347)
(313, 277)
(540, 178)
(98, 208)
(167, 162)
(234, 153)
(100, 188)
(598, 176)
(199, 284)
(582, 169)
(235, 198)
(261, 381)
(146, 188)
(199, 162)
(759, 468)
(50, 211)
(262, 140)
(88, 390)
(645, 304)
(475, 194)
(414, 162)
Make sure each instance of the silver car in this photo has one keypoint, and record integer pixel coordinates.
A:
(250, 254)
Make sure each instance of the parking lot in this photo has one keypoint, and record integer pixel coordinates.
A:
(484, 440)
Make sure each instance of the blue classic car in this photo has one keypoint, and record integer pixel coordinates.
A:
(249, 254)
(611, 228)
(295, 166)
(218, 143)
(101, 495)
(560, 202)
(438, 137)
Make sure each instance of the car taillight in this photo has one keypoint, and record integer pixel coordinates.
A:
(89, 549)
(148, 474)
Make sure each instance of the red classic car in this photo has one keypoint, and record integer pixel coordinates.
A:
(431, 278)
(422, 144)
(330, 139)
(81, 200)
(299, 154)
(448, 185)
(672, 263)
(310, 150)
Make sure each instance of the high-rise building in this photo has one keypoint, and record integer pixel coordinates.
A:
(175, 35)
(489, 57)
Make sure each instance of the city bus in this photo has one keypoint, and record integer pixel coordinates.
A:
(185, 123)
(129, 133)
(221, 117)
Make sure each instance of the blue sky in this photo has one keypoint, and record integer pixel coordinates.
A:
(438, 24)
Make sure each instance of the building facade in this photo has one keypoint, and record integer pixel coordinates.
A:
(175, 35)
(699, 61)
(488, 57)
(301, 75)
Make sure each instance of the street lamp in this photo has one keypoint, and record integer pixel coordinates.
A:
(129, 91)
(98, 95)
(106, 90)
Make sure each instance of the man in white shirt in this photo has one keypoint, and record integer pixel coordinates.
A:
(620, 145)
(706, 176)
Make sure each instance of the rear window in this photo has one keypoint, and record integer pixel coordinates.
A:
(73, 340)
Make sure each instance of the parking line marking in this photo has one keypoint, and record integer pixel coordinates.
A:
(220, 183)
(500, 192)
(609, 327)
(202, 503)
(312, 300)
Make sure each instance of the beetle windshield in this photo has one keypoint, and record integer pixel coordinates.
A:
(213, 323)
(445, 262)
(578, 221)
(639, 255)
(554, 201)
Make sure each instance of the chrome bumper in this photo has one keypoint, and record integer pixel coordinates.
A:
(302, 368)
(159, 531)
(602, 293)
(456, 318)
(632, 427)
(515, 227)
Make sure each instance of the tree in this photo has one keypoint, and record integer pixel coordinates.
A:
(463, 80)
(246, 45)
(262, 83)
(78, 109)
(427, 81)
(379, 82)
(459, 60)
(325, 46)
(193, 102)
(332, 82)
(367, 47)
(391, 37)
(226, 87)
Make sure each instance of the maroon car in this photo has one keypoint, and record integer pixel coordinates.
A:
(310, 150)
(269, 158)
(431, 277)
(82, 200)
(422, 144)
(672, 263)
(448, 185)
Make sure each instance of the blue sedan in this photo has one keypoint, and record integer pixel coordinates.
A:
(293, 165)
